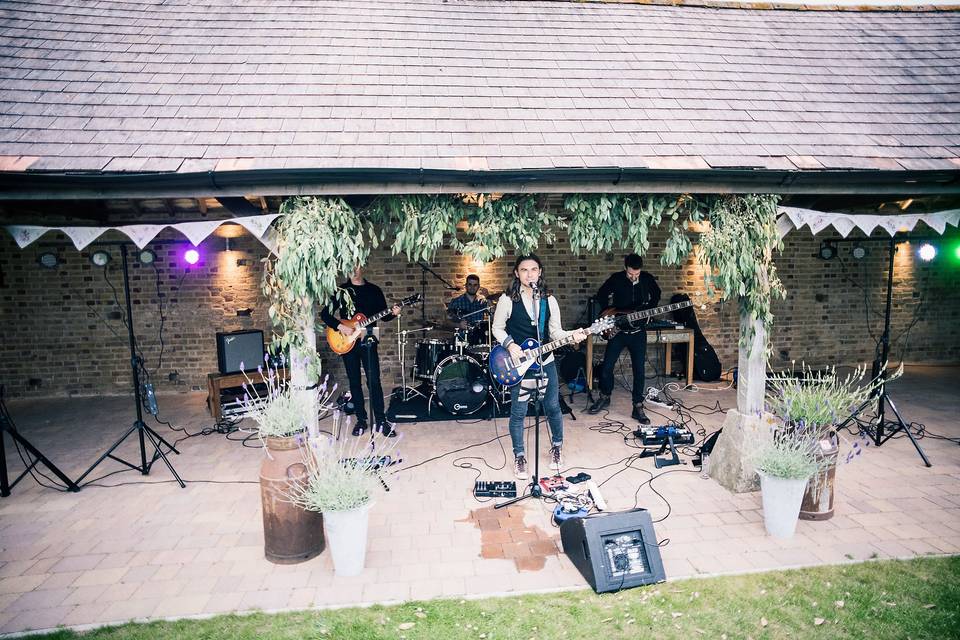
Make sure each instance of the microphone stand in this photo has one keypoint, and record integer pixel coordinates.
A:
(369, 343)
(539, 376)
(423, 288)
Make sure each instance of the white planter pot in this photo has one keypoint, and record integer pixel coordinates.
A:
(347, 539)
(781, 504)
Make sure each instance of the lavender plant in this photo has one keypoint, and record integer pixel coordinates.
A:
(283, 410)
(791, 454)
(342, 474)
(820, 399)
(810, 407)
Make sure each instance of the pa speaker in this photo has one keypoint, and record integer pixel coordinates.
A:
(614, 551)
(238, 347)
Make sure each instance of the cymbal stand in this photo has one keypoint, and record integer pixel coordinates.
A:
(406, 393)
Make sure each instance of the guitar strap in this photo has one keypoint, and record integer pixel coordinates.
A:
(541, 320)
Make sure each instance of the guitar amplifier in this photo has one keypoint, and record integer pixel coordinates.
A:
(239, 347)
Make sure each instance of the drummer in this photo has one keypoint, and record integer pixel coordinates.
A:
(465, 311)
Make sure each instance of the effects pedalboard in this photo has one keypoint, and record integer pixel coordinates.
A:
(658, 436)
(666, 436)
(495, 489)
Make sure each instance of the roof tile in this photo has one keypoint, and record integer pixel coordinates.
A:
(400, 83)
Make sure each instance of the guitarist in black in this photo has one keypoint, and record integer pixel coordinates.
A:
(369, 300)
(630, 290)
(526, 306)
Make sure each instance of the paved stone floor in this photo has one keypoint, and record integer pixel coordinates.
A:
(147, 548)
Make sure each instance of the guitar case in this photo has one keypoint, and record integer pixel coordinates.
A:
(706, 364)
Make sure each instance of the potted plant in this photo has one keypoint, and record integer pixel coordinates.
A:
(815, 402)
(785, 465)
(340, 480)
(291, 534)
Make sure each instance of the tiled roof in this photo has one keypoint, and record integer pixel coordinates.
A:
(189, 85)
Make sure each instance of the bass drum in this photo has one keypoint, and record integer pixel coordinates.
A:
(461, 385)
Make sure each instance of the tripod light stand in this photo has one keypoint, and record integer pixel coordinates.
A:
(878, 429)
(7, 427)
(139, 427)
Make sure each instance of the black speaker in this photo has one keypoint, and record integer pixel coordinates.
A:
(614, 551)
(238, 347)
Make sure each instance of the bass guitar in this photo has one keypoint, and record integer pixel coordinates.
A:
(626, 318)
(508, 371)
(342, 344)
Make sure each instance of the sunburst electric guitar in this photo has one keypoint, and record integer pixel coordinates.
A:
(508, 371)
(342, 344)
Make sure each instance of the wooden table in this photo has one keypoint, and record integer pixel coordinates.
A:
(666, 337)
(219, 381)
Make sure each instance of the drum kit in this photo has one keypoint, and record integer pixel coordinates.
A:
(453, 372)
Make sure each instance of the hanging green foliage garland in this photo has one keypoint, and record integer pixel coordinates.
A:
(418, 223)
(322, 239)
(318, 240)
(601, 222)
(510, 222)
(738, 249)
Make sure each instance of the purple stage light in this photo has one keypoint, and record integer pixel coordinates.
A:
(192, 256)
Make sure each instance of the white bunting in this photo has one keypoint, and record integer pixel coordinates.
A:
(197, 232)
(143, 234)
(257, 225)
(82, 236)
(25, 234)
(844, 223)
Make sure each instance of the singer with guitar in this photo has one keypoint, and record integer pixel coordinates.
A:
(368, 300)
(526, 311)
(629, 290)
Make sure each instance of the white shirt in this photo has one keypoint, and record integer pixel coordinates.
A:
(505, 309)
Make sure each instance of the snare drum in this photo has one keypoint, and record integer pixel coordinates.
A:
(461, 384)
(429, 354)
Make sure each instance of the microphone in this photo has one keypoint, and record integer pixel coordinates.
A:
(535, 289)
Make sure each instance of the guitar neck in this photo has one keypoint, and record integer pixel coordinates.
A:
(373, 318)
(649, 313)
(545, 349)
(377, 316)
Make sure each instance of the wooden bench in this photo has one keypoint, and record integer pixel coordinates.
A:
(216, 382)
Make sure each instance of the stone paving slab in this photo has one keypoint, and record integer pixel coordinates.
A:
(146, 548)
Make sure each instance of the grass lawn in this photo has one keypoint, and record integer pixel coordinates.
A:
(887, 599)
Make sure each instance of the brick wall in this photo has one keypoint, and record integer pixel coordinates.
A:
(62, 333)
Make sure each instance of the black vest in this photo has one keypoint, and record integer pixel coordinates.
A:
(520, 326)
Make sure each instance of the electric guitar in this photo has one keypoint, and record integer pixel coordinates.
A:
(508, 371)
(623, 318)
(342, 344)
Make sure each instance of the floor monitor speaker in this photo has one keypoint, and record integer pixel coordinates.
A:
(614, 551)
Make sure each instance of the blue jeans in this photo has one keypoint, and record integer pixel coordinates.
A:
(551, 407)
